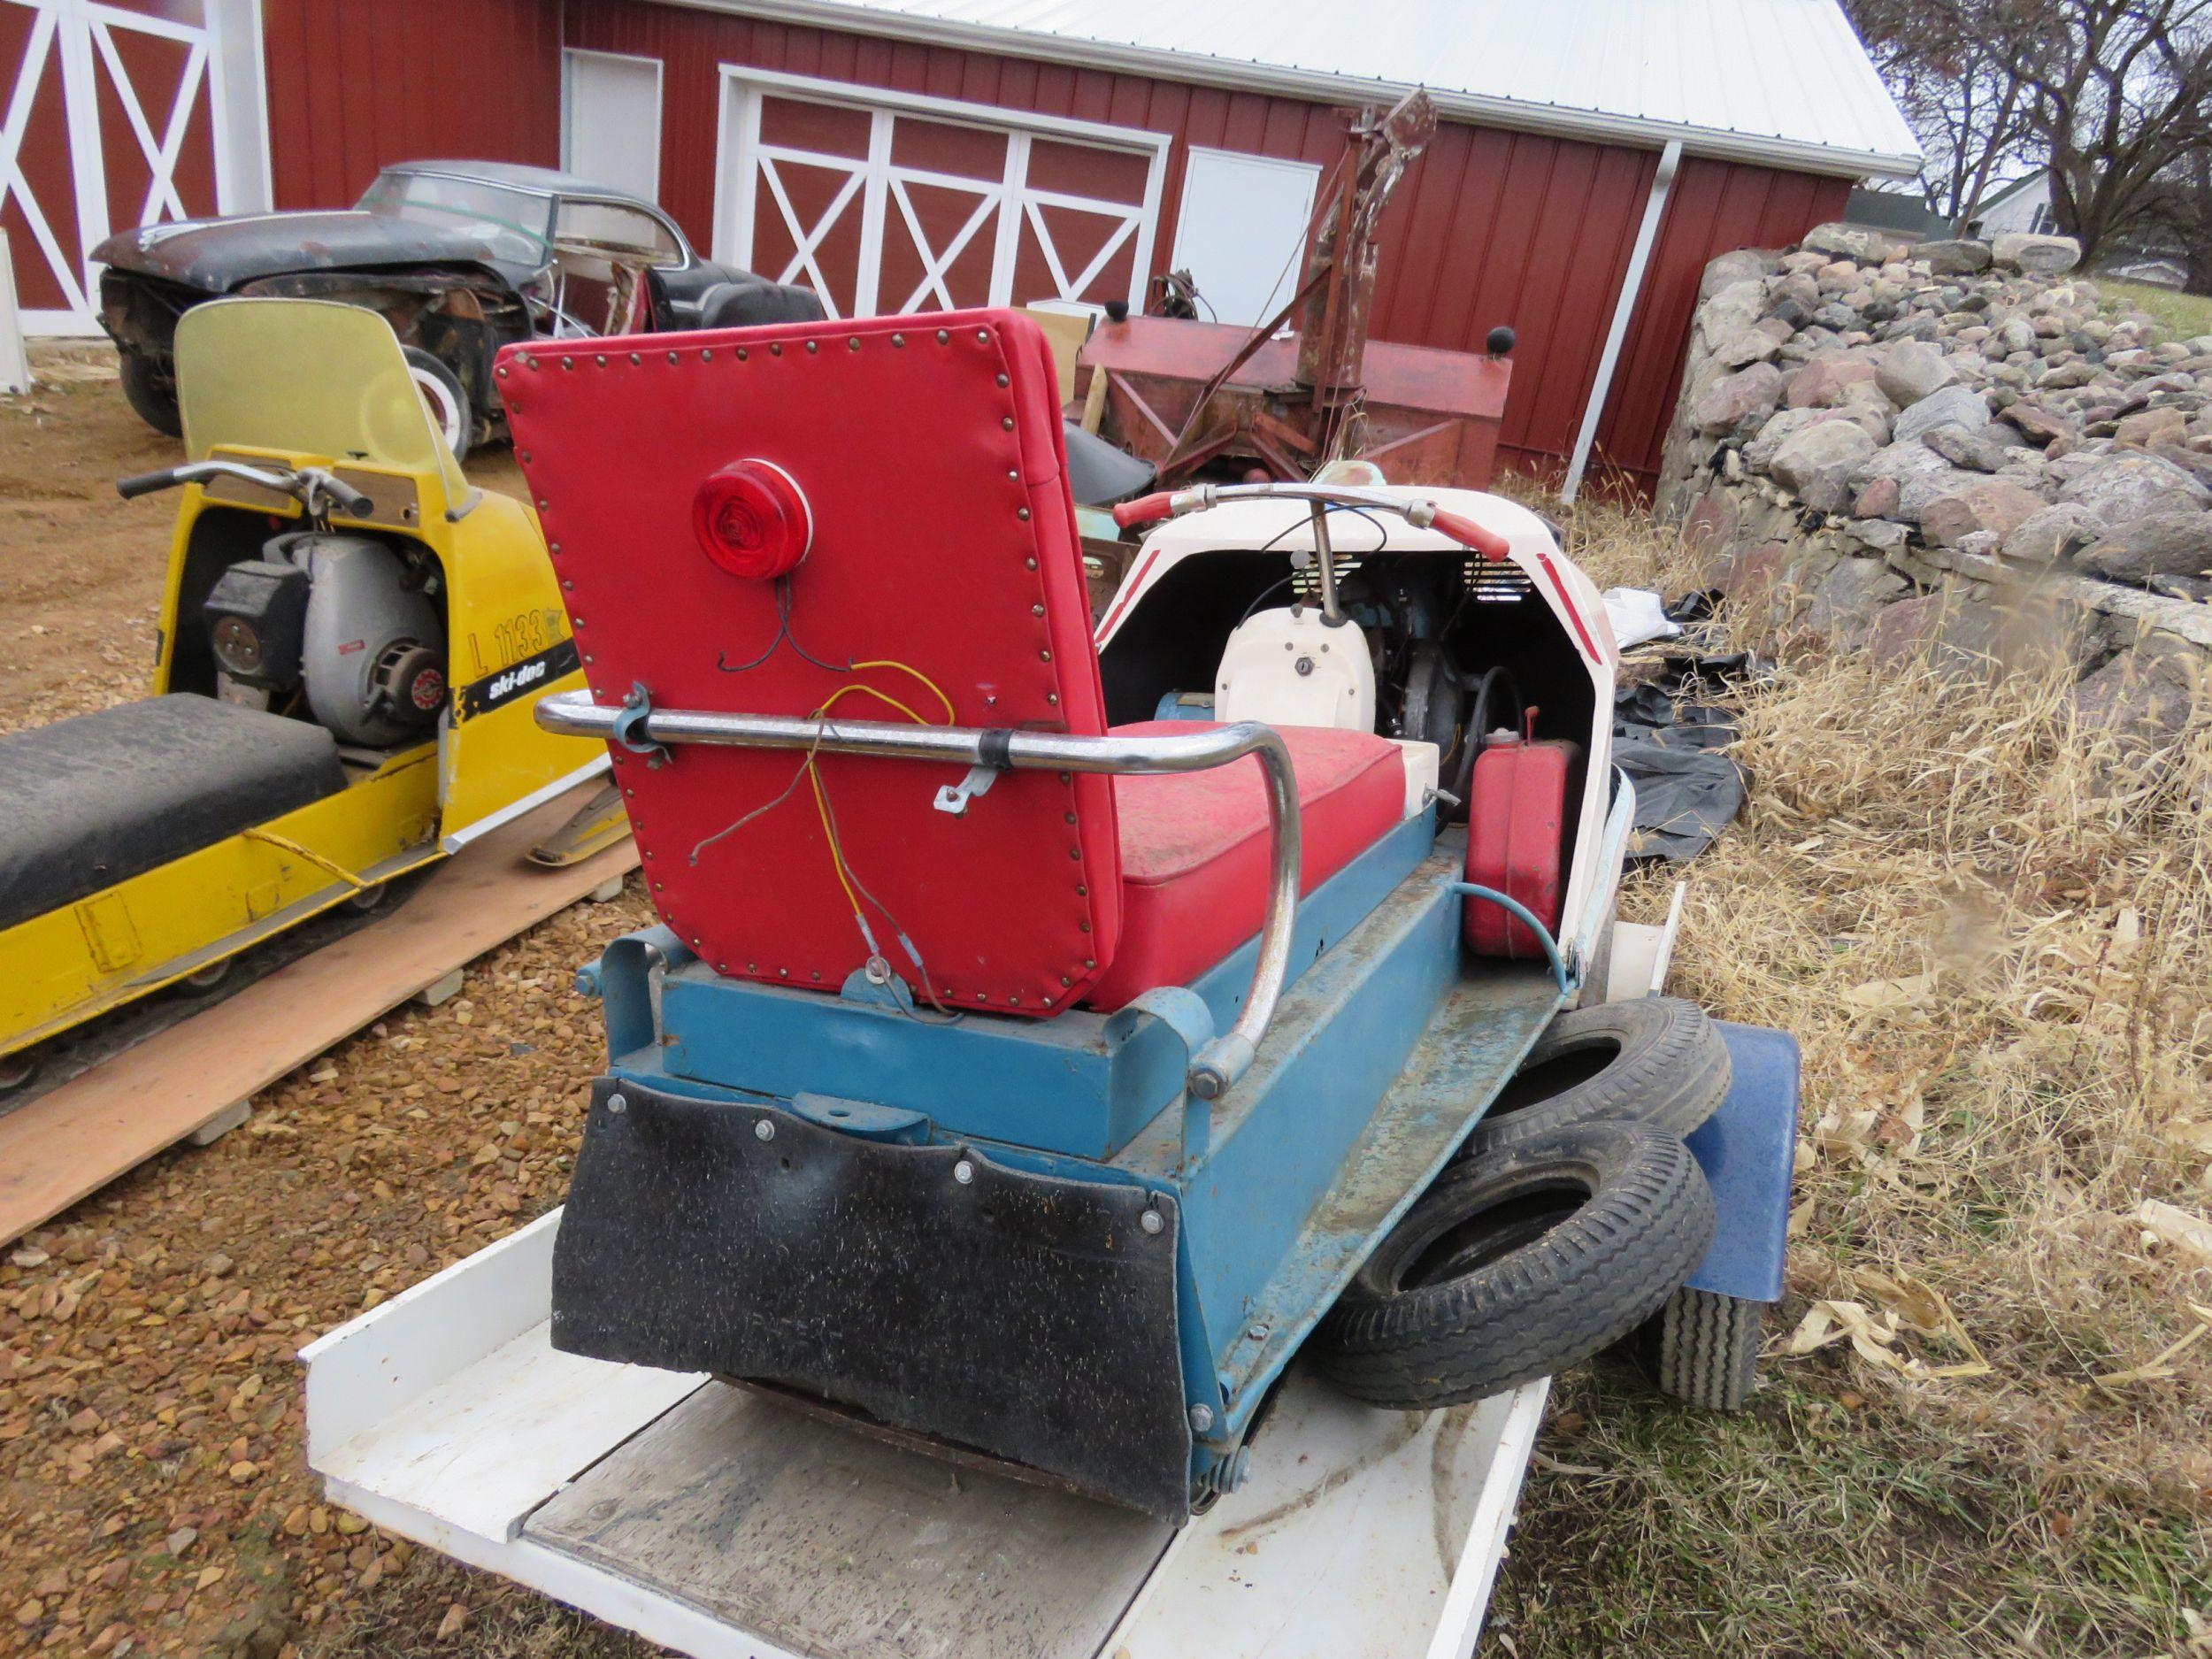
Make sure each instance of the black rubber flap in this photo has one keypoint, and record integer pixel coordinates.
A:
(1023, 1316)
(101, 797)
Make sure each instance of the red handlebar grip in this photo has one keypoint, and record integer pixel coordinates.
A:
(1144, 509)
(1467, 534)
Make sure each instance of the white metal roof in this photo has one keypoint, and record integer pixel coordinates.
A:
(1784, 81)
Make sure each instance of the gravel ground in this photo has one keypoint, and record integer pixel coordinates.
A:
(154, 1492)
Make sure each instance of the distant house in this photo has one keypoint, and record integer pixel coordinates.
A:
(2025, 204)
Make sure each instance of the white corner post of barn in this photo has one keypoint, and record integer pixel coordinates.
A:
(1624, 308)
(238, 82)
(15, 369)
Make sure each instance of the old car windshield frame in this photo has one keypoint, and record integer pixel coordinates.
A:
(506, 210)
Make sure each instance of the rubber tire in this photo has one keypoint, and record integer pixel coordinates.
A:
(1560, 1291)
(1709, 1348)
(151, 394)
(436, 381)
(19, 1071)
(208, 981)
(1669, 1068)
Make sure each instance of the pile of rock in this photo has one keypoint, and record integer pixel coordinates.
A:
(1891, 444)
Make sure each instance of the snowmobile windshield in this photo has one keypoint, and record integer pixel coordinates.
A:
(306, 377)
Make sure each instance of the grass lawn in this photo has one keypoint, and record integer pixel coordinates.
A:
(2183, 316)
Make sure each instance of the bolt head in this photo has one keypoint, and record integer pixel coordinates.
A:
(1258, 1333)
(765, 1129)
(616, 1103)
(1152, 1221)
(963, 1171)
(1201, 1418)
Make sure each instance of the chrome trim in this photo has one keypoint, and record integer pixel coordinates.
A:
(1221, 1062)
(530, 802)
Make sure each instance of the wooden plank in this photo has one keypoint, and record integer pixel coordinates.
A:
(824, 1541)
(75, 1140)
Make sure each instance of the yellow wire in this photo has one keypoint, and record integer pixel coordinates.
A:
(814, 776)
(918, 674)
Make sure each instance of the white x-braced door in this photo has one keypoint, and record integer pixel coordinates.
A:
(884, 203)
(108, 124)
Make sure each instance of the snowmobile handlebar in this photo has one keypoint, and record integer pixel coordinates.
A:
(302, 484)
(1425, 515)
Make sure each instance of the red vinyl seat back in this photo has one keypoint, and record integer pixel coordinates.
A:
(943, 559)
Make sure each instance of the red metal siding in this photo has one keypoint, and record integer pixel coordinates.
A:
(356, 84)
(1489, 227)
(1714, 207)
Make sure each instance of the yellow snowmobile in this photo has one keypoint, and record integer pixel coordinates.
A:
(352, 638)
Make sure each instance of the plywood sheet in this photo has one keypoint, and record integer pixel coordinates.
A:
(828, 1543)
(83, 1134)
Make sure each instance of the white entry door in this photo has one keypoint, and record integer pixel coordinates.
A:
(1241, 232)
(884, 201)
(611, 120)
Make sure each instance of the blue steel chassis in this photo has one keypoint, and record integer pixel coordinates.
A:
(1387, 1048)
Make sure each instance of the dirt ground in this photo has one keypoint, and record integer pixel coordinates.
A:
(154, 1495)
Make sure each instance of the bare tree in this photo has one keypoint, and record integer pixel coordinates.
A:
(1968, 107)
(2120, 90)
(2179, 221)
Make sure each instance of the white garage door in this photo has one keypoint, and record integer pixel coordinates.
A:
(885, 203)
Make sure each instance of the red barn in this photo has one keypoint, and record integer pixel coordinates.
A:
(901, 155)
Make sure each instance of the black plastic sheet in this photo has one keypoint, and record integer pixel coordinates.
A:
(1686, 791)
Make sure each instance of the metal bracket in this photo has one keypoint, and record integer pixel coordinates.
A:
(637, 708)
(954, 797)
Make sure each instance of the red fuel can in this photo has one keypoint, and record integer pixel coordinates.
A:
(1520, 812)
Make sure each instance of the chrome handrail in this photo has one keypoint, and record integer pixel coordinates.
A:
(1220, 1062)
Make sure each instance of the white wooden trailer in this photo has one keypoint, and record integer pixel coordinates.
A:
(727, 1524)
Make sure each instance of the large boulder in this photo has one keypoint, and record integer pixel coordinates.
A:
(1815, 464)
(2036, 256)
(1750, 345)
(1991, 504)
(1849, 599)
(1953, 406)
(2123, 484)
(1840, 241)
(2053, 533)
(2038, 425)
(2130, 699)
(1749, 393)
(1959, 258)
(1741, 264)
(2161, 544)
(1919, 474)
(2165, 424)
(1912, 370)
(1961, 446)
(1828, 379)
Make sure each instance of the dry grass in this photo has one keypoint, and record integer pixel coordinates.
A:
(1991, 933)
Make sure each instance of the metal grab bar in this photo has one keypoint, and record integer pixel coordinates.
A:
(1220, 1062)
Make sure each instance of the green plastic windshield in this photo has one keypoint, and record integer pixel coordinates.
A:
(311, 377)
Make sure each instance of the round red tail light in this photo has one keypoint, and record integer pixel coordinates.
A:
(752, 519)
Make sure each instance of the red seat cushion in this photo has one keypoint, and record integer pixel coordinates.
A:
(1194, 849)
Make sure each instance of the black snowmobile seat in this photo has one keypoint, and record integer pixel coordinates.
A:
(99, 798)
